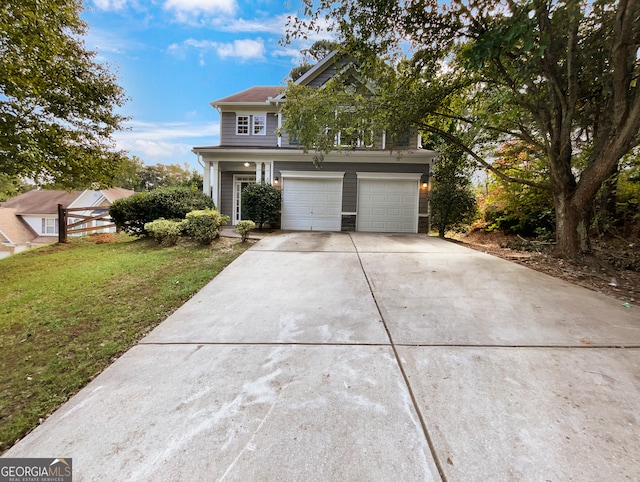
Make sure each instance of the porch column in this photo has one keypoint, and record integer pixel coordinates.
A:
(258, 172)
(215, 184)
(206, 178)
(267, 173)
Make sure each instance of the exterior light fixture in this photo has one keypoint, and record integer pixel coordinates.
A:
(424, 185)
(247, 164)
(276, 180)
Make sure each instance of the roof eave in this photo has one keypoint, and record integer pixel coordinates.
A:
(215, 105)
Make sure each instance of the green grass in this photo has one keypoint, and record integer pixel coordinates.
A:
(67, 311)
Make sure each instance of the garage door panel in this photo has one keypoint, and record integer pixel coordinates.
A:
(387, 205)
(312, 204)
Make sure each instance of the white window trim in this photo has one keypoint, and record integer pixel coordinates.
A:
(49, 223)
(253, 125)
(248, 117)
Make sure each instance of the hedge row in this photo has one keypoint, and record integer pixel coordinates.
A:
(131, 214)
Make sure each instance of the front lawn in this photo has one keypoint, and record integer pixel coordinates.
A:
(67, 311)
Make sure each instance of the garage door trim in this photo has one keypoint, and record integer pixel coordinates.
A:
(312, 174)
(391, 176)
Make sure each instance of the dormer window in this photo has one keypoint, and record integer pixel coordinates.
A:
(242, 125)
(259, 125)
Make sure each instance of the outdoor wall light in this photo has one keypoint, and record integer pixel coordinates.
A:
(247, 164)
(424, 185)
(276, 180)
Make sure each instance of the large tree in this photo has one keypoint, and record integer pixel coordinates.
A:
(57, 103)
(559, 76)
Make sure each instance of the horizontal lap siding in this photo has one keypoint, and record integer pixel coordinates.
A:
(323, 77)
(230, 138)
(226, 193)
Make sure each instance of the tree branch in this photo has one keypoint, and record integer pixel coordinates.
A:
(455, 140)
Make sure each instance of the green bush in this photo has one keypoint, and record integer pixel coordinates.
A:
(133, 213)
(244, 227)
(261, 203)
(204, 225)
(164, 231)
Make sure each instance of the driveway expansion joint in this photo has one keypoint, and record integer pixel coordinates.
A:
(405, 377)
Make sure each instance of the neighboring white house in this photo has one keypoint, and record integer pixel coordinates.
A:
(379, 187)
(31, 219)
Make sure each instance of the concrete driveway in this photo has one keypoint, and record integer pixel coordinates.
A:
(366, 357)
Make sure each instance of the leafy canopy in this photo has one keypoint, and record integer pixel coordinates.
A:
(560, 77)
(57, 103)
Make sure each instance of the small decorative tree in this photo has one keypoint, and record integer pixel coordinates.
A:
(453, 202)
(261, 203)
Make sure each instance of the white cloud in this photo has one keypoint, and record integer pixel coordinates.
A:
(243, 49)
(110, 4)
(293, 53)
(170, 130)
(273, 25)
(104, 41)
(155, 151)
(166, 141)
(187, 11)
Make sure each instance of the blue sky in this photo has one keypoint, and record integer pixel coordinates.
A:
(173, 57)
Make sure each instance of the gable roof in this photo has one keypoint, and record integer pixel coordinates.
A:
(331, 60)
(116, 193)
(45, 201)
(253, 95)
(12, 229)
(317, 69)
(41, 201)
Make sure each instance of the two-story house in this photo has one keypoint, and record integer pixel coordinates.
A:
(379, 189)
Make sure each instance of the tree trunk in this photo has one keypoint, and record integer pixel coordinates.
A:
(572, 227)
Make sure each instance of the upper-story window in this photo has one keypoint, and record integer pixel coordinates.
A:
(259, 125)
(242, 125)
(354, 138)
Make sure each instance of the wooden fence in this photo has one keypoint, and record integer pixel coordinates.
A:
(78, 226)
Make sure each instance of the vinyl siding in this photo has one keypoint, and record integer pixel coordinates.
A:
(226, 193)
(230, 138)
(323, 76)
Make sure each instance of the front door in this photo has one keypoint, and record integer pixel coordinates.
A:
(240, 181)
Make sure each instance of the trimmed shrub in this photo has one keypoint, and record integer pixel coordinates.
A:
(204, 225)
(164, 231)
(261, 203)
(244, 227)
(131, 214)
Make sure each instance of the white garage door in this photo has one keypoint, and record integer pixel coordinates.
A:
(311, 204)
(388, 205)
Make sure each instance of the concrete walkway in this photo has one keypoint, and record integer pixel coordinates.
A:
(366, 357)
